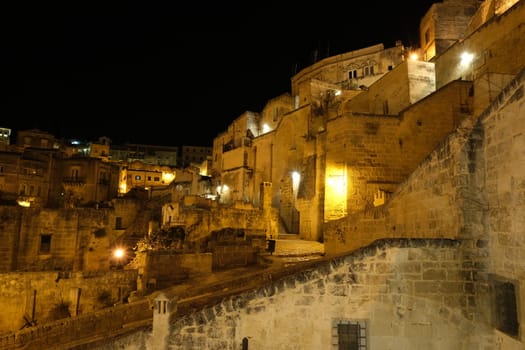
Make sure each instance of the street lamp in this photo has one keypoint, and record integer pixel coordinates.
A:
(119, 254)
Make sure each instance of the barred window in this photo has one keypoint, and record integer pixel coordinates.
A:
(349, 335)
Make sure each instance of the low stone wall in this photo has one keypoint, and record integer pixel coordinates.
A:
(66, 333)
(409, 293)
(228, 256)
(29, 298)
(164, 268)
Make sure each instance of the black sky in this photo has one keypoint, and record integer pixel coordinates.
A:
(159, 73)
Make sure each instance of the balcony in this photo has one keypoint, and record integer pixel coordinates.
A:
(234, 144)
(74, 180)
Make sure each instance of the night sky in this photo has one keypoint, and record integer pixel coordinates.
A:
(159, 73)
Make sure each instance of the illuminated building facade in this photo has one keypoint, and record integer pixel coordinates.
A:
(357, 124)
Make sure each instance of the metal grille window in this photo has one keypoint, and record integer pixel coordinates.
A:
(349, 335)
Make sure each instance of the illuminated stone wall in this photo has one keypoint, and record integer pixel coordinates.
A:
(406, 84)
(80, 239)
(445, 24)
(412, 294)
(55, 295)
(470, 189)
(378, 152)
(199, 223)
(496, 46)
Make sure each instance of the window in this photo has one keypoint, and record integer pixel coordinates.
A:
(137, 177)
(427, 36)
(349, 335)
(45, 244)
(504, 306)
(368, 70)
(118, 223)
(385, 107)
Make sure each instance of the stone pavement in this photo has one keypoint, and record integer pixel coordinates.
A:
(288, 246)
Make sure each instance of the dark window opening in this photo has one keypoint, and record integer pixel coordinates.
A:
(118, 223)
(45, 244)
(505, 311)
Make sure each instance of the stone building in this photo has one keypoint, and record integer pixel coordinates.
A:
(435, 264)
(357, 124)
(352, 129)
(412, 175)
(147, 154)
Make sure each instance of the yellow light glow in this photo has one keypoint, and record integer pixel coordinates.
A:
(168, 177)
(222, 189)
(414, 56)
(123, 188)
(336, 192)
(266, 128)
(119, 253)
(466, 58)
(25, 204)
(296, 178)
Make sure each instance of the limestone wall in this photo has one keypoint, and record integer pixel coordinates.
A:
(166, 268)
(41, 297)
(10, 221)
(68, 333)
(200, 223)
(470, 189)
(385, 150)
(503, 222)
(496, 46)
(77, 239)
(411, 294)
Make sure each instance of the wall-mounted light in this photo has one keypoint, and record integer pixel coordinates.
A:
(466, 58)
(296, 178)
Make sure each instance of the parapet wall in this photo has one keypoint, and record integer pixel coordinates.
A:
(33, 298)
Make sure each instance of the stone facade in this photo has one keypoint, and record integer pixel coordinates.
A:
(29, 299)
(437, 263)
(462, 291)
(66, 239)
(407, 294)
(443, 293)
